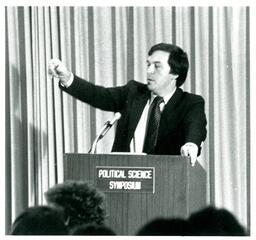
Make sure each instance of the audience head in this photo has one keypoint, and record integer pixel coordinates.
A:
(82, 203)
(92, 229)
(214, 222)
(164, 227)
(39, 220)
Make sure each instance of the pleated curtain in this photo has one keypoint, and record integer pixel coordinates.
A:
(108, 46)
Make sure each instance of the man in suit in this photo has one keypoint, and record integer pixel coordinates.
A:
(182, 126)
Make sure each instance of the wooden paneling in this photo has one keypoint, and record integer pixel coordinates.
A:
(179, 188)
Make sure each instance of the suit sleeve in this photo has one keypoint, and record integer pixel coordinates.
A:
(195, 122)
(107, 99)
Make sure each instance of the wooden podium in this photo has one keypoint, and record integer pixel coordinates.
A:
(172, 187)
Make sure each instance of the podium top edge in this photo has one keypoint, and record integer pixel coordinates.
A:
(127, 153)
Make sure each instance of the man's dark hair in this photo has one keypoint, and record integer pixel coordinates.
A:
(211, 221)
(39, 220)
(178, 60)
(82, 203)
(164, 227)
(92, 229)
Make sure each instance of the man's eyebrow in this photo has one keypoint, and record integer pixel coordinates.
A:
(153, 61)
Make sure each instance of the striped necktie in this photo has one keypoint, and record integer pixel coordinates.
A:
(153, 125)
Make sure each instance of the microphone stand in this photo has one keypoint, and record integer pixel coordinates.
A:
(103, 131)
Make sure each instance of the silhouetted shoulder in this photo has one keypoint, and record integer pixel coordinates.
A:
(135, 87)
(193, 97)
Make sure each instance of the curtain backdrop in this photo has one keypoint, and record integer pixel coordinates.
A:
(108, 46)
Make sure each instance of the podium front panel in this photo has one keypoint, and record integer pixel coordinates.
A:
(179, 188)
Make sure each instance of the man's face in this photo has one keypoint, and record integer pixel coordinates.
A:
(159, 79)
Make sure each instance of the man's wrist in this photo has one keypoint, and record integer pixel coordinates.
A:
(67, 83)
(190, 144)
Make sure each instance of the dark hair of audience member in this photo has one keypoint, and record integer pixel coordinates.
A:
(164, 227)
(39, 220)
(82, 203)
(92, 229)
(215, 222)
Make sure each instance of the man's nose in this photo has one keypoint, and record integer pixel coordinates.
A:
(150, 68)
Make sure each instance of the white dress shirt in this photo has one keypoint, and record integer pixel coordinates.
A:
(137, 142)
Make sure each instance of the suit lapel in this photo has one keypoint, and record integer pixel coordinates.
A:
(136, 111)
(168, 114)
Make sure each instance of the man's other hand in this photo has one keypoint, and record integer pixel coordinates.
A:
(190, 150)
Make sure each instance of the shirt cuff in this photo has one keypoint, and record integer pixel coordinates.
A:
(190, 144)
(69, 82)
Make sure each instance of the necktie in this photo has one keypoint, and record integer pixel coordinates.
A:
(153, 124)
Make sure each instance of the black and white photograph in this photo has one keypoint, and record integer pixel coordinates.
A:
(128, 120)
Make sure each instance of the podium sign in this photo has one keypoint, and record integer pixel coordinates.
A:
(125, 179)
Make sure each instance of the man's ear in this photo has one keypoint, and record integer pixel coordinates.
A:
(173, 76)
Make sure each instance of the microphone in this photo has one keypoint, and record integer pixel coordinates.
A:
(104, 130)
(117, 116)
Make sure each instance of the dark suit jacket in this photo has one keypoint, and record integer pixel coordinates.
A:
(182, 120)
